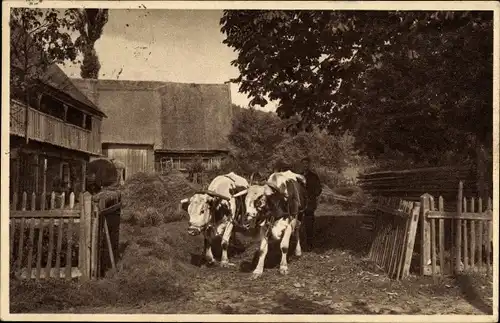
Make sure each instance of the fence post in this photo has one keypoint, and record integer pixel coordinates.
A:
(458, 229)
(85, 236)
(94, 240)
(425, 234)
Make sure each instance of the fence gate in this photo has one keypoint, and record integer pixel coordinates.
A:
(63, 240)
(395, 231)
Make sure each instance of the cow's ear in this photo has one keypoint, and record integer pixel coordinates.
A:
(185, 204)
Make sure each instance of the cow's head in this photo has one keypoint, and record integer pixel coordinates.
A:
(259, 201)
(200, 208)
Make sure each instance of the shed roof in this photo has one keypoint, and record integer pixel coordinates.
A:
(170, 116)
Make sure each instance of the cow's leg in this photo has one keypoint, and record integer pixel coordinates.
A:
(285, 242)
(262, 252)
(225, 244)
(298, 248)
(209, 257)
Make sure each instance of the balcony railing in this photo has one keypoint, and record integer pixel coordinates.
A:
(46, 128)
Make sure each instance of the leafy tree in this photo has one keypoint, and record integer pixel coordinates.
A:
(408, 84)
(90, 24)
(38, 38)
(253, 138)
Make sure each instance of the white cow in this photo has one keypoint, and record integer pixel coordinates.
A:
(213, 213)
(275, 208)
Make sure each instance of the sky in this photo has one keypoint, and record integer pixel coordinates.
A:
(166, 45)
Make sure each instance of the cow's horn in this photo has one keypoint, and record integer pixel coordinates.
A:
(214, 194)
(241, 193)
(185, 200)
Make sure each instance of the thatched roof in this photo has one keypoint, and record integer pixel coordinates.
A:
(170, 116)
(57, 79)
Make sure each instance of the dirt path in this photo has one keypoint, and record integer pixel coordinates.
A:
(330, 280)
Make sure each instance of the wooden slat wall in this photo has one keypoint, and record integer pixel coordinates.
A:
(45, 128)
(135, 159)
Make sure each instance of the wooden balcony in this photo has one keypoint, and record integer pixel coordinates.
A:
(48, 129)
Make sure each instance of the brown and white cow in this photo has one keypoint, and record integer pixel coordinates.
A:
(213, 213)
(274, 209)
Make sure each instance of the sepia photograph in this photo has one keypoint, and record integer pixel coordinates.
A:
(267, 159)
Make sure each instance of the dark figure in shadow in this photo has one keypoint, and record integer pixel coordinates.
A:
(313, 190)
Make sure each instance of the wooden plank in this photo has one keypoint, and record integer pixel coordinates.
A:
(31, 244)
(12, 233)
(33, 201)
(462, 216)
(14, 202)
(488, 246)
(410, 238)
(50, 248)
(59, 247)
(111, 209)
(24, 201)
(472, 236)
(63, 200)
(19, 260)
(433, 248)
(87, 221)
(401, 258)
(57, 213)
(110, 247)
(441, 236)
(41, 227)
(394, 250)
(425, 243)
(52, 200)
(95, 239)
(71, 200)
(464, 236)
(69, 249)
(458, 231)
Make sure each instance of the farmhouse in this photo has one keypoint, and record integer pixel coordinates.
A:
(153, 125)
(52, 138)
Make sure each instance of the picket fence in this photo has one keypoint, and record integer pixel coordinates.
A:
(63, 240)
(453, 242)
(450, 242)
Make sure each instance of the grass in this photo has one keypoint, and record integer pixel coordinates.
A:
(153, 265)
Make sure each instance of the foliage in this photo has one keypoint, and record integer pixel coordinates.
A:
(262, 143)
(38, 38)
(425, 76)
(90, 24)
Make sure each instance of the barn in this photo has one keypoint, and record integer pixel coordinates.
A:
(152, 125)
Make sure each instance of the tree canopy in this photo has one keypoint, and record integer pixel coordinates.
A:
(412, 84)
(38, 38)
(261, 143)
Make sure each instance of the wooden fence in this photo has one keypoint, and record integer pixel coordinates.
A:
(457, 241)
(61, 241)
(395, 232)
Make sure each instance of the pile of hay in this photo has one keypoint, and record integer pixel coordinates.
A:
(150, 198)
